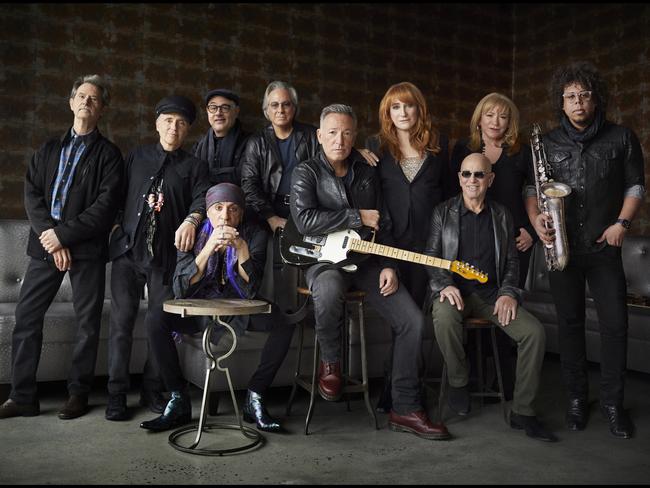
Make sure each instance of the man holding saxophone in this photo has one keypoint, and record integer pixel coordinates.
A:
(603, 164)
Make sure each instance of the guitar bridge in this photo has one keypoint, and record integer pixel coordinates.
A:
(303, 251)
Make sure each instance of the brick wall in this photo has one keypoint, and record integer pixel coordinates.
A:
(330, 53)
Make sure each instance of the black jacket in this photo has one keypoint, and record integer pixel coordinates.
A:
(261, 165)
(511, 175)
(185, 183)
(598, 173)
(227, 167)
(411, 203)
(443, 243)
(320, 203)
(92, 201)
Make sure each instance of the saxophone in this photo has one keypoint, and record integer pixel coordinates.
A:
(550, 200)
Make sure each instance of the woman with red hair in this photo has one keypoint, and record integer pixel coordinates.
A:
(413, 161)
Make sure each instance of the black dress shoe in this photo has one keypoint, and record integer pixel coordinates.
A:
(577, 414)
(255, 412)
(458, 400)
(116, 408)
(620, 424)
(76, 406)
(178, 412)
(532, 426)
(154, 400)
(12, 409)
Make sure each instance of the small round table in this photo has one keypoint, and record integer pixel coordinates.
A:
(215, 308)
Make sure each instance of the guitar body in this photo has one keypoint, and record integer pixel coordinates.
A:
(299, 250)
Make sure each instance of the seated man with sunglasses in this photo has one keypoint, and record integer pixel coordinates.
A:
(471, 228)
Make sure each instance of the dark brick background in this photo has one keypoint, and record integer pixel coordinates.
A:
(348, 53)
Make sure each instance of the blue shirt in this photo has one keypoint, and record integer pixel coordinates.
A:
(64, 179)
(287, 149)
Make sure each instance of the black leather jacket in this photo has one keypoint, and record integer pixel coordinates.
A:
(443, 243)
(598, 172)
(320, 203)
(261, 165)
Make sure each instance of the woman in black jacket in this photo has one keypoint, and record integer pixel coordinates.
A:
(413, 168)
(413, 164)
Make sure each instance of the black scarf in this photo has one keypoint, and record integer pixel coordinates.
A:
(589, 133)
(225, 151)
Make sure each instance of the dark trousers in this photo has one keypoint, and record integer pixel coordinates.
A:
(128, 278)
(405, 318)
(273, 354)
(603, 271)
(42, 282)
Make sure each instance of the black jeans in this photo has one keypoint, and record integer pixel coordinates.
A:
(405, 318)
(42, 282)
(273, 354)
(603, 271)
(128, 278)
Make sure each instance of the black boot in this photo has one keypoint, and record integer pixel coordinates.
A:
(577, 413)
(255, 412)
(178, 412)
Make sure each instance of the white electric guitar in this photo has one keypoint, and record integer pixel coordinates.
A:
(297, 249)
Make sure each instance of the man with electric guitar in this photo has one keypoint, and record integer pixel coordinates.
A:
(479, 230)
(334, 191)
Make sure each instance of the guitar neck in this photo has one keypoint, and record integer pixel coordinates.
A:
(366, 247)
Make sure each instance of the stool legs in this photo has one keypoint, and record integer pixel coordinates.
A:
(483, 391)
(350, 385)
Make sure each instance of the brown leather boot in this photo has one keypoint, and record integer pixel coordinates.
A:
(418, 423)
(330, 381)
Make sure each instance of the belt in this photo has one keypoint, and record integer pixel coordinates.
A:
(282, 199)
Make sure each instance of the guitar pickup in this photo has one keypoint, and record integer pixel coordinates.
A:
(316, 240)
(303, 251)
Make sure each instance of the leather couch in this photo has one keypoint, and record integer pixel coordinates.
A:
(636, 261)
(59, 328)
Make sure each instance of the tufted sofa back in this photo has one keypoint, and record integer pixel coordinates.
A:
(14, 262)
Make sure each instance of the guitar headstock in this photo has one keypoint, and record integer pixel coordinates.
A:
(468, 272)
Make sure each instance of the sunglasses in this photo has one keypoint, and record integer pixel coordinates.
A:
(477, 174)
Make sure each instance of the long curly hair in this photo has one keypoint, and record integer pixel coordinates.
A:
(424, 136)
(487, 103)
(587, 75)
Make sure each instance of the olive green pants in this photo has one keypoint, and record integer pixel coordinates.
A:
(525, 330)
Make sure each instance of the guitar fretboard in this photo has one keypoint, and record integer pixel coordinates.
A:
(366, 247)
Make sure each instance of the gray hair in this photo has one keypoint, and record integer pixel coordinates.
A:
(338, 108)
(279, 85)
(96, 80)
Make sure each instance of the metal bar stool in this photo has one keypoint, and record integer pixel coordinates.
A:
(477, 325)
(350, 384)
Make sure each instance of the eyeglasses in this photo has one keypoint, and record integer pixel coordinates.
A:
(573, 96)
(276, 105)
(225, 108)
(477, 174)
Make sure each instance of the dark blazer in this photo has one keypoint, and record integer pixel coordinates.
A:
(92, 201)
(261, 165)
(444, 232)
(411, 204)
